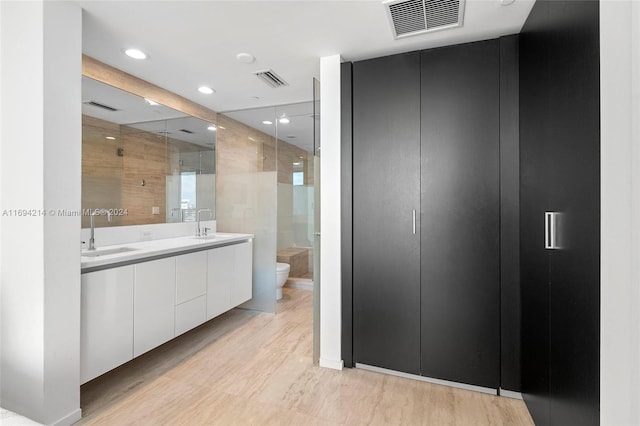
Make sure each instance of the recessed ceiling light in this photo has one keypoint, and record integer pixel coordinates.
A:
(284, 120)
(150, 102)
(212, 128)
(506, 2)
(251, 139)
(245, 58)
(111, 138)
(135, 54)
(267, 122)
(206, 90)
(297, 164)
(221, 127)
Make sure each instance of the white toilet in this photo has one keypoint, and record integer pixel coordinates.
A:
(282, 273)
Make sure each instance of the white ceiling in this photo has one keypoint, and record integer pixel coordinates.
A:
(194, 43)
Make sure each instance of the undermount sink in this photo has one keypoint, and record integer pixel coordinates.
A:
(208, 237)
(105, 252)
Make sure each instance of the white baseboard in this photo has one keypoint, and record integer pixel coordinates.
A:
(69, 419)
(510, 394)
(428, 379)
(331, 363)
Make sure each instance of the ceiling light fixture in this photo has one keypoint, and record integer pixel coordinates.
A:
(506, 2)
(267, 122)
(297, 164)
(206, 90)
(245, 58)
(111, 138)
(135, 54)
(150, 102)
(212, 128)
(284, 120)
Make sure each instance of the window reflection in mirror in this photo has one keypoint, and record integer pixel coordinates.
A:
(147, 162)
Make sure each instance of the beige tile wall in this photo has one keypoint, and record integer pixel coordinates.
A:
(116, 182)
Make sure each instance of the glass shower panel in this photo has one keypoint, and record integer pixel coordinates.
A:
(296, 189)
(246, 192)
(316, 231)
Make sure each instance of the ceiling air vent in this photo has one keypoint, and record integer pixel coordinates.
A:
(99, 105)
(186, 131)
(411, 17)
(271, 78)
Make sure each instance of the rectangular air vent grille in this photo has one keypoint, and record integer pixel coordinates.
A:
(271, 78)
(186, 131)
(412, 17)
(99, 105)
(441, 13)
(408, 16)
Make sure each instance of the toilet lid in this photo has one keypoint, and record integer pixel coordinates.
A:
(281, 267)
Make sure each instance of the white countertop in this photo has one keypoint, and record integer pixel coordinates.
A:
(145, 249)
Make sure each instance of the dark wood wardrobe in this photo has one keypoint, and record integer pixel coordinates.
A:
(426, 209)
(471, 213)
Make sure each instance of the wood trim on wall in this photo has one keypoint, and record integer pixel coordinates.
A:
(107, 74)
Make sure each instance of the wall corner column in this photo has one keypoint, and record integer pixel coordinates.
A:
(620, 204)
(330, 214)
(40, 140)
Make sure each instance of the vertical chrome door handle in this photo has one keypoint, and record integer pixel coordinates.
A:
(551, 230)
(414, 221)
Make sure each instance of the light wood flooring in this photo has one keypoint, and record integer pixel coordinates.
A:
(248, 368)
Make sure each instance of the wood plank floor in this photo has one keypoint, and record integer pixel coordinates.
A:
(248, 368)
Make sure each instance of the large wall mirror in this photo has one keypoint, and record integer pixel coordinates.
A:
(145, 162)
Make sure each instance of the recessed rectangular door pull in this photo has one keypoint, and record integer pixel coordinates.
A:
(414, 221)
(551, 230)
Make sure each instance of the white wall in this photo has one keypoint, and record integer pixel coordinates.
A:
(330, 251)
(620, 231)
(40, 168)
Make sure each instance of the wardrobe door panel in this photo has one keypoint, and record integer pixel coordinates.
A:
(560, 161)
(386, 192)
(460, 271)
(535, 156)
(575, 269)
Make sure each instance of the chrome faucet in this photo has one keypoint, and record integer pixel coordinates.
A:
(92, 240)
(202, 232)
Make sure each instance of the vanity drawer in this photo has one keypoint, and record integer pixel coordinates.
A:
(190, 314)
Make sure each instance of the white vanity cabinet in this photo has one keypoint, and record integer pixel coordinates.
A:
(106, 338)
(219, 280)
(191, 291)
(241, 290)
(229, 278)
(129, 310)
(153, 304)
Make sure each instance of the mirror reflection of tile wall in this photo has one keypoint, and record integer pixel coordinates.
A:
(154, 171)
